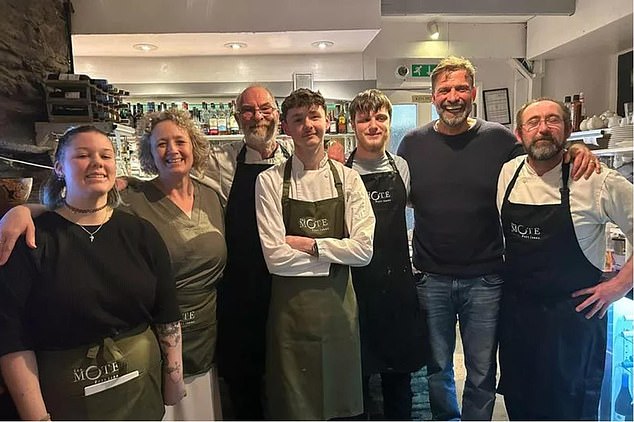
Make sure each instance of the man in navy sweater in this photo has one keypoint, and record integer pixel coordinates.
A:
(457, 245)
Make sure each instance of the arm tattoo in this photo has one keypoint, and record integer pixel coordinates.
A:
(169, 369)
(169, 334)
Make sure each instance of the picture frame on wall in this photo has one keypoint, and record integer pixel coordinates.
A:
(496, 105)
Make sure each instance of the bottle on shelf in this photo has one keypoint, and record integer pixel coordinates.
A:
(568, 102)
(222, 120)
(334, 114)
(204, 118)
(623, 402)
(575, 112)
(234, 128)
(342, 122)
(213, 120)
(582, 100)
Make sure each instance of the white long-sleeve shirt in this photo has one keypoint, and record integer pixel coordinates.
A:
(603, 198)
(222, 163)
(313, 185)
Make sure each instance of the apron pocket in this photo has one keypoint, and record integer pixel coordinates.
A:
(65, 375)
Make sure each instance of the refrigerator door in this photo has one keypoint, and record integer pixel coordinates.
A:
(616, 393)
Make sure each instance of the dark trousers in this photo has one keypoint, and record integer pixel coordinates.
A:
(519, 409)
(397, 395)
(8, 411)
(246, 395)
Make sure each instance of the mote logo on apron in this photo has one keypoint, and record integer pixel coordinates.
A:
(380, 197)
(188, 318)
(315, 225)
(531, 233)
(96, 373)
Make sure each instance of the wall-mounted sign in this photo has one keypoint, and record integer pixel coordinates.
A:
(422, 70)
(421, 98)
(496, 105)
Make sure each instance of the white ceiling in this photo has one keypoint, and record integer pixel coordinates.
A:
(213, 44)
(258, 43)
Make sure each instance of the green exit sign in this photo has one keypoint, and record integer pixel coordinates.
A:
(422, 70)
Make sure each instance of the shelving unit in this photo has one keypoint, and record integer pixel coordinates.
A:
(347, 140)
(82, 101)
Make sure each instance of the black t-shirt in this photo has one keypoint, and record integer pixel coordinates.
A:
(71, 292)
(453, 192)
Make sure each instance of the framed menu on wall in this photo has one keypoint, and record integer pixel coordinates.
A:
(496, 105)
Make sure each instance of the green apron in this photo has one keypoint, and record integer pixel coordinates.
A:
(198, 325)
(313, 362)
(115, 380)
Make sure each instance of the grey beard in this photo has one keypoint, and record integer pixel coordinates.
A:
(544, 152)
(454, 121)
(257, 139)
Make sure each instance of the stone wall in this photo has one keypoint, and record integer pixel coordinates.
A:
(33, 41)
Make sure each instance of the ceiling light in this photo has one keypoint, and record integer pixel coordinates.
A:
(236, 45)
(432, 29)
(322, 44)
(145, 47)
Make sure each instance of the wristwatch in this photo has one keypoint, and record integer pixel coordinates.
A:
(314, 251)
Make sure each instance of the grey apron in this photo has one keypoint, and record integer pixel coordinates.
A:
(118, 379)
(313, 363)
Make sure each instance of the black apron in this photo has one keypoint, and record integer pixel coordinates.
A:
(551, 357)
(313, 363)
(245, 290)
(392, 325)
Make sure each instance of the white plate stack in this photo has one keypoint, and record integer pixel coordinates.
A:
(621, 136)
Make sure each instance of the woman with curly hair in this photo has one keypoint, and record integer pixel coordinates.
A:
(189, 217)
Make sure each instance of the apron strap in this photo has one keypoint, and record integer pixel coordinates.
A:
(335, 175)
(351, 158)
(392, 162)
(286, 186)
(241, 158)
(242, 154)
(512, 182)
(565, 190)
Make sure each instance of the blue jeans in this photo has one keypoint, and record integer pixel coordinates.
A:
(475, 302)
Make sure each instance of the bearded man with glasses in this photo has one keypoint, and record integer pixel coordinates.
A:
(552, 331)
(457, 243)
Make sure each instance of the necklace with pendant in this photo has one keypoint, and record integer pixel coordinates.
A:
(93, 233)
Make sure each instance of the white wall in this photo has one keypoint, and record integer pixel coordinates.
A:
(274, 68)
(595, 77)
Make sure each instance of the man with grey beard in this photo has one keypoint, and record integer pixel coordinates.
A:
(552, 331)
(457, 244)
(244, 293)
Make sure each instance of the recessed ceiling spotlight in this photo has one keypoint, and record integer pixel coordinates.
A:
(322, 44)
(236, 45)
(145, 46)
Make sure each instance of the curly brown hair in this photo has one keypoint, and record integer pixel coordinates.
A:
(182, 119)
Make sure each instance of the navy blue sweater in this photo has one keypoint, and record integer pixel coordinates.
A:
(453, 190)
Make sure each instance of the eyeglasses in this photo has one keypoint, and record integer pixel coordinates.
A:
(553, 122)
(249, 111)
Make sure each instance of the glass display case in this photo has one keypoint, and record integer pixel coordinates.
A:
(616, 392)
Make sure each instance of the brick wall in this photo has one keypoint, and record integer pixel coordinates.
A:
(33, 41)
